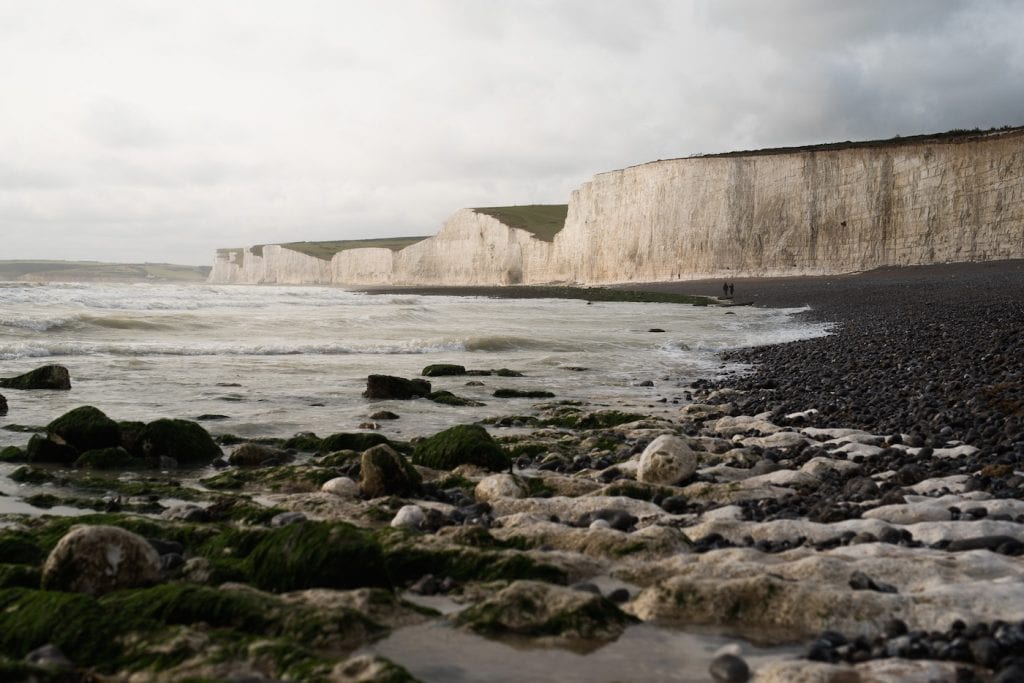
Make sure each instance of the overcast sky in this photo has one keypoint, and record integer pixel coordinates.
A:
(160, 130)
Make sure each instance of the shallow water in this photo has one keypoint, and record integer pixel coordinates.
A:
(279, 360)
(439, 653)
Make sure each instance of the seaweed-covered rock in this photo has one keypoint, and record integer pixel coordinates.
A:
(443, 370)
(100, 559)
(317, 555)
(13, 454)
(85, 428)
(522, 393)
(41, 449)
(105, 458)
(304, 441)
(257, 455)
(461, 445)
(537, 609)
(386, 472)
(370, 669)
(449, 399)
(185, 441)
(45, 377)
(668, 460)
(351, 441)
(389, 387)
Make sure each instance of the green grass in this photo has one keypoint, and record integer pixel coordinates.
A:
(75, 271)
(326, 250)
(544, 221)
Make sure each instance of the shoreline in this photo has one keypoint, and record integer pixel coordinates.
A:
(857, 495)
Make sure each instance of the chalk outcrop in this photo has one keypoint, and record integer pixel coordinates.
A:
(833, 209)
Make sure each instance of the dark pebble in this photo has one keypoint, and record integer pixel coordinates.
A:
(729, 669)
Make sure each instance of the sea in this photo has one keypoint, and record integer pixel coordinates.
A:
(270, 361)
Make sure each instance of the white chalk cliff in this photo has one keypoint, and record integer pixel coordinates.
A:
(779, 212)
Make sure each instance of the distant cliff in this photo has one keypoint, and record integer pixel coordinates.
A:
(825, 209)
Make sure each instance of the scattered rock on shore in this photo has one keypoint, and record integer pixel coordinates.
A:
(46, 377)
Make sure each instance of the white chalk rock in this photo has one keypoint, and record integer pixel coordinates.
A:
(341, 486)
(741, 424)
(854, 449)
(408, 517)
(500, 486)
(819, 465)
(776, 440)
(666, 461)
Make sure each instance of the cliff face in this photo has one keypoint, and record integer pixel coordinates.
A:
(799, 213)
(787, 212)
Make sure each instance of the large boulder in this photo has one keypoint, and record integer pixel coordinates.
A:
(667, 461)
(46, 377)
(85, 428)
(184, 441)
(461, 445)
(41, 449)
(351, 441)
(389, 387)
(385, 472)
(100, 559)
(443, 370)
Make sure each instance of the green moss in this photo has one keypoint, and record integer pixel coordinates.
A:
(519, 393)
(505, 372)
(355, 441)
(308, 442)
(74, 622)
(291, 478)
(600, 420)
(317, 554)
(326, 250)
(449, 399)
(13, 454)
(30, 475)
(451, 481)
(386, 472)
(443, 370)
(543, 221)
(337, 459)
(407, 561)
(20, 547)
(105, 459)
(50, 377)
(184, 440)
(459, 445)
(13, 575)
(86, 428)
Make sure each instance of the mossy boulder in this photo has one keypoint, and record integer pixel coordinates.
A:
(42, 449)
(30, 475)
(15, 575)
(461, 445)
(74, 622)
(105, 459)
(20, 548)
(85, 428)
(185, 441)
(505, 372)
(536, 609)
(13, 454)
(443, 370)
(351, 441)
(317, 555)
(308, 442)
(385, 472)
(449, 399)
(257, 455)
(390, 387)
(46, 377)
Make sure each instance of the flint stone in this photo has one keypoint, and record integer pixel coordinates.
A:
(385, 472)
(500, 486)
(100, 559)
(341, 486)
(667, 461)
(408, 517)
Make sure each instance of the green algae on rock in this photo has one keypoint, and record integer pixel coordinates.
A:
(461, 445)
(351, 441)
(443, 370)
(185, 441)
(105, 458)
(55, 377)
(536, 609)
(86, 428)
(386, 472)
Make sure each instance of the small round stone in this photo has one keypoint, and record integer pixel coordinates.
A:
(729, 669)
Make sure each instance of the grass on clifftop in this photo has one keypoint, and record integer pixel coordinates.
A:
(544, 221)
(326, 250)
(85, 271)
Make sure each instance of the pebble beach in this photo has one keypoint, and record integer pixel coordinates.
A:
(849, 509)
